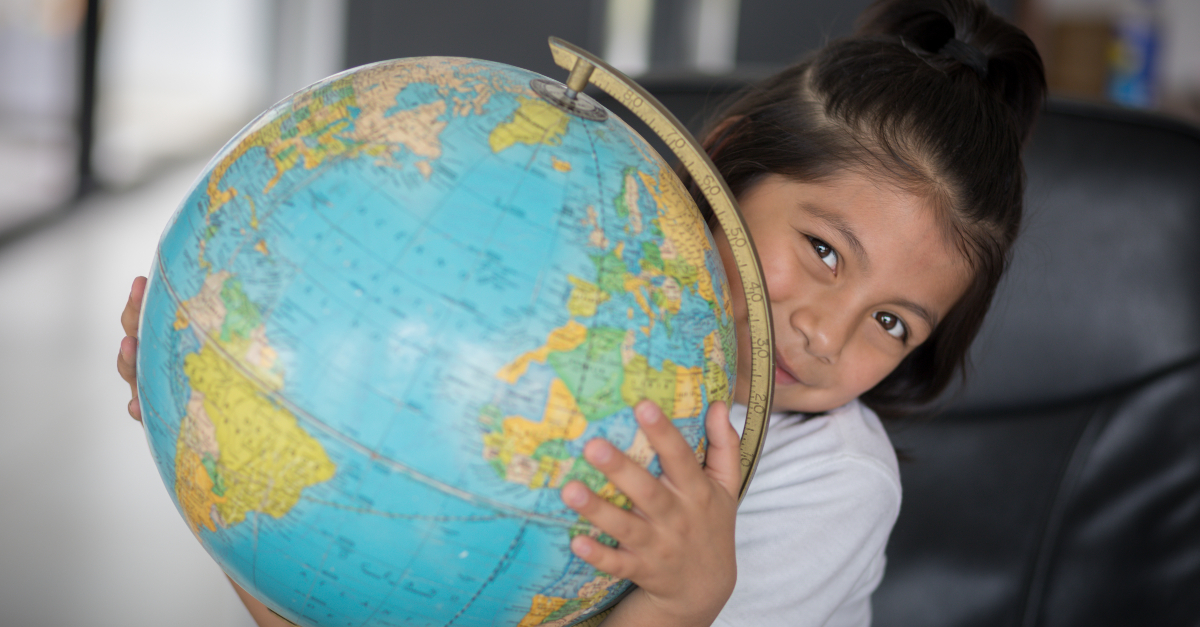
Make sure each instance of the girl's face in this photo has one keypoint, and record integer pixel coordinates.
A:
(859, 274)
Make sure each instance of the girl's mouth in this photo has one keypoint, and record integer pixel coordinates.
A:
(783, 376)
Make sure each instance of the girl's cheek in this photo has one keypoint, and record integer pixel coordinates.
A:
(780, 275)
(870, 366)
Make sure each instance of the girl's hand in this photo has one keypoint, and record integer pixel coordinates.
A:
(127, 357)
(677, 543)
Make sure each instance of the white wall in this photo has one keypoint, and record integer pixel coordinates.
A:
(179, 78)
(175, 78)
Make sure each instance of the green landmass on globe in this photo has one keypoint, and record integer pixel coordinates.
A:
(386, 319)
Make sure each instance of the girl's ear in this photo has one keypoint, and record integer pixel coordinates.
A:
(715, 140)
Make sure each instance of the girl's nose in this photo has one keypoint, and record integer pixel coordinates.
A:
(823, 328)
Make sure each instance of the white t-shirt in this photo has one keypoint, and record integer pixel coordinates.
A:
(812, 529)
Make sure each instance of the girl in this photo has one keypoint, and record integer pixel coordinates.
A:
(881, 180)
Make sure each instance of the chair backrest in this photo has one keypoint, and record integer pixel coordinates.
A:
(1061, 486)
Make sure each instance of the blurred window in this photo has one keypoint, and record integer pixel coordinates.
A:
(39, 68)
(176, 79)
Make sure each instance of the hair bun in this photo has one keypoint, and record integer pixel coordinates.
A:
(967, 32)
(966, 54)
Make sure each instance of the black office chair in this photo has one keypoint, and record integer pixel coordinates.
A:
(1062, 485)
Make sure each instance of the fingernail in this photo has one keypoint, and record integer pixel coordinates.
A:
(600, 453)
(580, 546)
(574, 496)
(646, 414)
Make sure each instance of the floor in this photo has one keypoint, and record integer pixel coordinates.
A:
(88, 533)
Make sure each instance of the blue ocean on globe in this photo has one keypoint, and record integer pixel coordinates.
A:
(386, 319)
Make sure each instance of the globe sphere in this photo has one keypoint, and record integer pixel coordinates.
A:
(386, 319)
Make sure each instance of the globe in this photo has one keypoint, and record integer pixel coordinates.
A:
(384, 322)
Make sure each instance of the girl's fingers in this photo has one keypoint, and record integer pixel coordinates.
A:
(625, 526)
(644, 489)
(127, 368)
(606, 559)
(127, 356)
(676, 456)
(723, 463)
(133, 307)
(127, 360)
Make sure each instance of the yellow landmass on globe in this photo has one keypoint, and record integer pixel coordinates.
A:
(543, 608)
(585, 297)
(311, 138)
(681, 225)
(565, 338)
(194, 486)
(320, 123)
(675, 389)
(466, 84)
(265, 458)
(559, 164)
(535, 122)
(417, 129)
(689, 396)
(645, 381)
(238, 451)
(714, 368)
(515, 444)
(317, 140)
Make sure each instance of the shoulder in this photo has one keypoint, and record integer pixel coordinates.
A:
(845, 452)
(830, 481)
(813, 527)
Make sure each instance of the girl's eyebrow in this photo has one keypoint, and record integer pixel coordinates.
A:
(839, 224)
(922, 312)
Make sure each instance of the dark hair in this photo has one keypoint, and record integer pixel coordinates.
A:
(937, 95)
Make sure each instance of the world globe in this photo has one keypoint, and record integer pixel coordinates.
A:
(384, 322)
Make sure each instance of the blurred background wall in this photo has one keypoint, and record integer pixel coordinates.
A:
(38, 97)
(88, 535)
(176, 78)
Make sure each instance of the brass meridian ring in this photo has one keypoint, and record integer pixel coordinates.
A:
(587, 68)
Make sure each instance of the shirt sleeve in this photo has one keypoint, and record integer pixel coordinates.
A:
(810, 544)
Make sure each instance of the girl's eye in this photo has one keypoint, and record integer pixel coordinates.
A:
(825, 252)
(892, 324)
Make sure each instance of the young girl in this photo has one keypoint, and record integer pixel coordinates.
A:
(881, 180)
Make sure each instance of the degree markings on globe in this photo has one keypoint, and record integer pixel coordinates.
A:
(384, 324)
